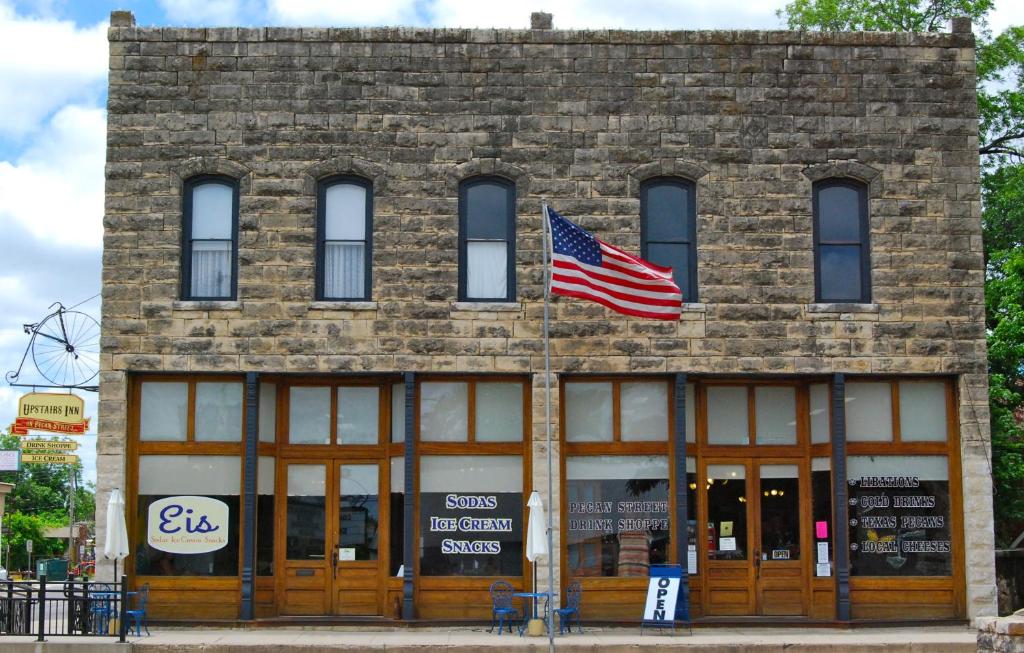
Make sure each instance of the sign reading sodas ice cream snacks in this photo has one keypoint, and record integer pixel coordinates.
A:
(51, 412)
(187, 524)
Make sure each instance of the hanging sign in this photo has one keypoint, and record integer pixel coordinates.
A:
(49, 458)
(187, 524)
(9, 460)
(47, 445)
(54, 413)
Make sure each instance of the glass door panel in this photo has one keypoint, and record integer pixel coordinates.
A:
(780, 576)
(359, 577)
(727, 512)
(359, 513)
(780, 512)
(305, 579)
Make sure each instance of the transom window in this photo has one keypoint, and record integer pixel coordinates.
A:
(668, 227)
(842, 266)
(210, 238)
(344, 238)
(487, 234)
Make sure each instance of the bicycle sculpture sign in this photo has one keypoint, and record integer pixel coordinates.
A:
(65, 349)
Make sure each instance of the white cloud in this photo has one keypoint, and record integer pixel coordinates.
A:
(336, 13)
(1005, 14)
(208, 13)
(44, 64)
(55, 189)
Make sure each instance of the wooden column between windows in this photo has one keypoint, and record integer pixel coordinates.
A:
(840, 527)
(252, 397)
(409, 501)
(681, 516)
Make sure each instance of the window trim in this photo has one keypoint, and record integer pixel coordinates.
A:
(864, 242)
(188, 189)
(690, 295)
(321, 241)
(510, 238)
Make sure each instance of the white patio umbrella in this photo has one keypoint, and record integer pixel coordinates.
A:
(115, 544)
(536, 533)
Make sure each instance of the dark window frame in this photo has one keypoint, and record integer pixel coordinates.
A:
(690, 291)
(321, 241)
(188, 189)
(510, 238)
(864, 241)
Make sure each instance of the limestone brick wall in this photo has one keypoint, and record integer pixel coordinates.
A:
(579, 118)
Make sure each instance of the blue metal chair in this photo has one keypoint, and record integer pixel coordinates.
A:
(571, 610)
(501, 606)
(138, 613)
(102, 608)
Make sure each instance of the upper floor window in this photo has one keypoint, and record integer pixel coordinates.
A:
(344, 239)
(487, 236)
(668, 230)
(842, 267)
(210, 238)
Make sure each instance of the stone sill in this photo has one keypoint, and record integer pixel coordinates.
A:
(842, 308)
(208, 305)
(488, 307)
(695, 308)
(342, 306)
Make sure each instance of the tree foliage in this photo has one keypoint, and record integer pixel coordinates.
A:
(1000, 73)
(40, 500)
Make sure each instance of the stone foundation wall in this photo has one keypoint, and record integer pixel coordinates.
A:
(1001, 635)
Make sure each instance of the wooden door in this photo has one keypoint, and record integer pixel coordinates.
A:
(782, 512)
(359, 539)
(305, 571)
(728, 539)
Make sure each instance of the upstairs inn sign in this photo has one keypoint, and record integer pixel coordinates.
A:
(54, 413)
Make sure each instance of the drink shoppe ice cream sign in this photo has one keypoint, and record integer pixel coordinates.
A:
(188, 524)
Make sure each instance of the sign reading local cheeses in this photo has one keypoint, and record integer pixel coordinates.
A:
(187, 524)
(54, 413)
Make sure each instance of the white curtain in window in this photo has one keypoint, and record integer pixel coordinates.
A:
(486, 270)
(344, 267)
(211, 268)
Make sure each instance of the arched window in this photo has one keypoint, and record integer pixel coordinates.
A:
(842, 260)
(344, 238)
(487, 237)
(668, 229)
(210, 238)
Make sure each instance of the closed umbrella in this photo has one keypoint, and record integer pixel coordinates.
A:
(115, 544)
(536, 535)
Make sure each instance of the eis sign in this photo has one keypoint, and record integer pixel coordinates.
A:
(187, 524)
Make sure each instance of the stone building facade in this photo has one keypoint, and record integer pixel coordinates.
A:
(749, 122)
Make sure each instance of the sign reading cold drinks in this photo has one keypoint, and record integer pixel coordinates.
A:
(899, 525)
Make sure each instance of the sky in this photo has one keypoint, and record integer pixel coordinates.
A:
(53, 61)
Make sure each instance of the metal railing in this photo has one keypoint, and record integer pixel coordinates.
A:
(67, 608)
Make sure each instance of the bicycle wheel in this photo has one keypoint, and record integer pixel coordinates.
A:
(66, 348)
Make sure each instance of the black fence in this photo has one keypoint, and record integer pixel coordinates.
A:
(67, 608)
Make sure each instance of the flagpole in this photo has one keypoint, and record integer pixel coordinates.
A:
(550, 616)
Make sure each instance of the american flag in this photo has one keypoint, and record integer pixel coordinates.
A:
(583, 266)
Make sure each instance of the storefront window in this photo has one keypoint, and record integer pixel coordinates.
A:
(499, 412)
(775, 415)
(398, 412)
(821, 416)
(899, 516)
(869, 412)
(471, 515)
(821, 514)
(163, 414)
(780, 512)
(170, 540)
(268, 412)
(728, 415)
(309, 415)
(218, 412)
(618, 514)
(358, 415)
(922, 411)
(588, 412)
(691, 516)
(397, 532)
(265, 516)
(444, 411)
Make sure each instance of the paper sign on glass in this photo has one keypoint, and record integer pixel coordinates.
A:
(691, 559)
(727, 544)
(823, 569)
(821, 530)
(346, 554)
(726, 529)
(822, 552)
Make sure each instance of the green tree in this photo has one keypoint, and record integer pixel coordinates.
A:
(1000, 64)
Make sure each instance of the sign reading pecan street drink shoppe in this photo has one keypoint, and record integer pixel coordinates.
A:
(54, 413)
(187, 524)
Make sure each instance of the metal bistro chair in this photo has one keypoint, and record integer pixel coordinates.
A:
(138, 613)
(102, 607)
(566, 614)
(501, 606)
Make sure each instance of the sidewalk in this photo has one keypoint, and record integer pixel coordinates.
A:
(939, 639)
